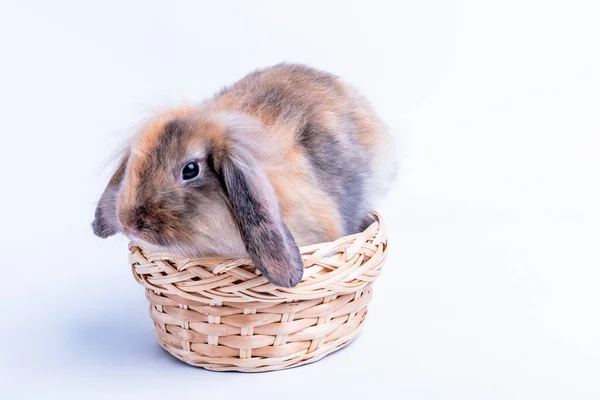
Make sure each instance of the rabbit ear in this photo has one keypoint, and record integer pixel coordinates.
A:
(106, 223)
(255, 207)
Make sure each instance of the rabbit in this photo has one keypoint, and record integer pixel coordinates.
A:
(288, 156)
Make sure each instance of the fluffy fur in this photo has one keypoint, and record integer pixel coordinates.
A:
(289, 156)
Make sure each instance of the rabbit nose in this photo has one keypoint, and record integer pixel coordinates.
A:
(134, 222)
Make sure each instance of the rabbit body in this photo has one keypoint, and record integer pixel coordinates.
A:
(287, 156)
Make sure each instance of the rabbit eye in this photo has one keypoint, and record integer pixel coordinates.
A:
(190, 171)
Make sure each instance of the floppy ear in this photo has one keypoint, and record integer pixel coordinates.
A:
(268, 241)
(106, 223)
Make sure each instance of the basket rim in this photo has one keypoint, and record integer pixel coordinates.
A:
(342, 266)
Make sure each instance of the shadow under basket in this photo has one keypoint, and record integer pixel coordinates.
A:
(221, 314)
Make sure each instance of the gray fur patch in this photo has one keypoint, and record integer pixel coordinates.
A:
(342, 172)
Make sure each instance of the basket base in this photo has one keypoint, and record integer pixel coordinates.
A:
(261, 364)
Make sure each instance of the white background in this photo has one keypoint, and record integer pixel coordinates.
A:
(492, 287)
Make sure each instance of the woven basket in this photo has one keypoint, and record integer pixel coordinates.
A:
(220, 314)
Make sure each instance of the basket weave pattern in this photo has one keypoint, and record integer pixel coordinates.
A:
(220, 314)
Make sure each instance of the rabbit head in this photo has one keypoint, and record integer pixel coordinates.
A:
(192, 182)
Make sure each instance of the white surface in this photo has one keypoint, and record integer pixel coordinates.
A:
(492, 286)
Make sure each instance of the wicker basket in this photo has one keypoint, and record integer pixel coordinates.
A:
(220, 314)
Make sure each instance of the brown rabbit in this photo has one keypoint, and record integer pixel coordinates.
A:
(287, 156)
